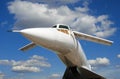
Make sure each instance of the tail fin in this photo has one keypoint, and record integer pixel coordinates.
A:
(73, 73)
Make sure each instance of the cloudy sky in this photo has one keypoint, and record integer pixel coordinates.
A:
(99, 18)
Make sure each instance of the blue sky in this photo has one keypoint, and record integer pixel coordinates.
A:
(100, 18)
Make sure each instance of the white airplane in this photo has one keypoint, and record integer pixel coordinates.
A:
(62, 40)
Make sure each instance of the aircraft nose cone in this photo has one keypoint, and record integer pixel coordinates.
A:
(41, 36)
(32, 33)
(38, 35)
(35, 32)
(26, 31)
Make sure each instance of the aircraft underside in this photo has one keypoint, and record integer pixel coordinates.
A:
(80, 73)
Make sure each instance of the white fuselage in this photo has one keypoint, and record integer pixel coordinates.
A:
(61, 41)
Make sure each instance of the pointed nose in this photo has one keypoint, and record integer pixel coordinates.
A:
(29, 33)
(37, 34)
(40, 36)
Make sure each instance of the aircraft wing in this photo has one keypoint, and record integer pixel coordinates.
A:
(28, 46)
(92, 38)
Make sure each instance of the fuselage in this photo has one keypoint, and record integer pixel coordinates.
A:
(61, 41)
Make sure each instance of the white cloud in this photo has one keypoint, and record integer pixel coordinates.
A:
(99, 62)
(1, 75)
(117, 66)
(36, 57)
(55, 76)
(23, 69)
(110, 72)
(28, 14)
(118, 55)
(54, 2)
(5, 62)
(31, 65)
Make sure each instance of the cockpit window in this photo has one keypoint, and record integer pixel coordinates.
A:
(54, 26)
(63, 26)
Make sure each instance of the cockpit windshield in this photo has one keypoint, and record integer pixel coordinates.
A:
(64, 27)
(60, 26)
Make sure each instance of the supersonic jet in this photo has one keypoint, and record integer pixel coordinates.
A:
(62, 40)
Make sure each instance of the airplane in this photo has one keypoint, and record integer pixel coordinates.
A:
(63, 41)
